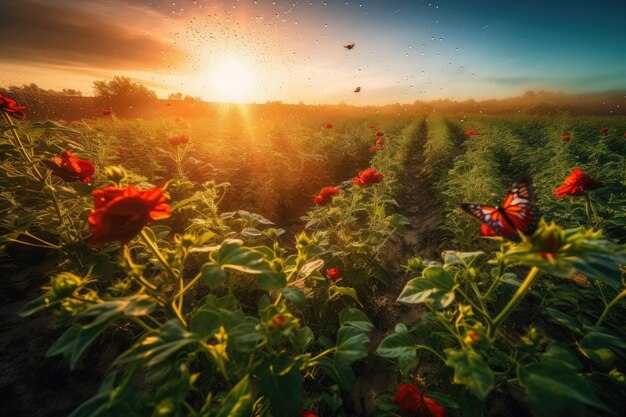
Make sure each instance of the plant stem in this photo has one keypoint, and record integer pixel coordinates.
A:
(610, 306)
(517, 298)
(434, 352)
(155, 250)
(588, 209)
(20, 146)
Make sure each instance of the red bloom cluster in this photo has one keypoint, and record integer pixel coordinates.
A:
(412, 402)
(177, 140)
(472, 132)
(328, 125)
(11, 108)
(625, 135)
(71, 168)
(121, 150)
(380, 141)
(367, 177)
(334, 274)
(121, 213)
(375, 148)
(578, 183)
(326, 195)
(566, 137)
(307, 413)
(604, 130)
(379, 134)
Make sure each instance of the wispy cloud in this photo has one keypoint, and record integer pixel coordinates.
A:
(72, 34)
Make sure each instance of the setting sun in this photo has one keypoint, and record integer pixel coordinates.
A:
(232, 80)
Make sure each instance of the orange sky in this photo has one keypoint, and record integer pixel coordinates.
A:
(246, 50)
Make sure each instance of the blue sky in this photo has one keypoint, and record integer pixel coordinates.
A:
(292, 50)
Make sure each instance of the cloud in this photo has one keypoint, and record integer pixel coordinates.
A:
(61, 34)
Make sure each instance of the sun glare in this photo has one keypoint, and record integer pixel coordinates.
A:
(233, 81)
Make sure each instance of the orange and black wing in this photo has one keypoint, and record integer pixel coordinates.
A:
(519, 207)
(492, 217)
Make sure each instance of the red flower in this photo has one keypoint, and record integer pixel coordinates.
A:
(380, 141)
(487, 231)
(371, 127)
(11, 108)
(121, 213)
(328, 125)
(357, 90)
(578, 183)
(181, 139)
(121, 150)
(566, 137)
(412, 402)
(307, 413)
(326, 195)
(367, 177)
(625, 135)
(333, 274)
(604, 130)
(375, 148)
(108, 112)
(379, 134)
(71, 168)
(278, 320)
(470, 132)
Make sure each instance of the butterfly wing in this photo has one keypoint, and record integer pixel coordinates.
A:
(492, 217)
(349, 46)
(519, 207)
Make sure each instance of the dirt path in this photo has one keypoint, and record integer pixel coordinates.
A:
(416, 202)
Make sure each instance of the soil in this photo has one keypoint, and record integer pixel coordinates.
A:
(421, 238)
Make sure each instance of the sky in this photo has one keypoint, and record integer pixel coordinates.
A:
(264, 50)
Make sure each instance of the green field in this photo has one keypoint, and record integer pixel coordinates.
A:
(242, 296)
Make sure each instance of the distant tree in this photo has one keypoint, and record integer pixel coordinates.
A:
(123, 95)
(175, 96)
(71, 92)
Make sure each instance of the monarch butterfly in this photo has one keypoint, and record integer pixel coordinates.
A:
(517, 213)
(349, 46)
(357, 90)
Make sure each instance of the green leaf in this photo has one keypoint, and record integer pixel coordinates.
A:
(304, 338)
(156, 347)
(355, 317)
(233, 255)
(77, 338)
(471, 370)
(347, 291)
(281, 383)
(397, 345)
(351, 345)
(294, 295)
(434, 287)
(460, 258)
(311, 267)
(557, 355)
(239, 401)
(557, 390)
(42, 302)
(49, 125)
(213, 275)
